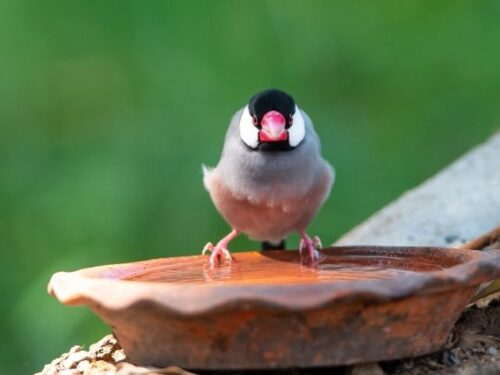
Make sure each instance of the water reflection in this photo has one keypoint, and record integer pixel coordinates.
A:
(284, 268)
(220, 272)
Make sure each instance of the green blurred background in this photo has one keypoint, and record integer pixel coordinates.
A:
(108, 109)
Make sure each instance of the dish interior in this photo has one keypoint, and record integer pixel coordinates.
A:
(285, 267)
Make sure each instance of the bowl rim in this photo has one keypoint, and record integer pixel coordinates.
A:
(82, 287)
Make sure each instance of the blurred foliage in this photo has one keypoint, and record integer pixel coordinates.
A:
(108, 109)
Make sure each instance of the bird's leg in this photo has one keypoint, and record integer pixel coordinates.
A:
(311, 246)
(317, 243)
(220, 250)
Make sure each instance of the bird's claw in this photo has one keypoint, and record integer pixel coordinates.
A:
(209, 247)
(310, 247)
(216, 252)
(317, 243)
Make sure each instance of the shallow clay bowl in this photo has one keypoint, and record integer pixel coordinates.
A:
(267, 310)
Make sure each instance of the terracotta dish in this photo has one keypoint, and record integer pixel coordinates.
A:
(267, 310)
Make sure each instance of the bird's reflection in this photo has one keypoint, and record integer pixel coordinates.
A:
(220, 272)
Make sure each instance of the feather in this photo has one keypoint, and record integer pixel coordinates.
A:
(269, 194)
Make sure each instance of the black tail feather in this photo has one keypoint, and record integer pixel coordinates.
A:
(270, 246)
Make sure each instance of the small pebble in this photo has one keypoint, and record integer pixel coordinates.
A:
(449, 359)
(83, 366)
(69, 372)
(451, 238)
(408, 365)
(119, 355)
(48, 370)
(74, 358)
(74, 349)
(365, 369)
(492, 350)
(104, 367)
(433, 364)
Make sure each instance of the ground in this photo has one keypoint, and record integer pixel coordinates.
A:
(473, 348)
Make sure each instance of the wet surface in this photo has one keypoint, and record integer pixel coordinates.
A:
(281, 268)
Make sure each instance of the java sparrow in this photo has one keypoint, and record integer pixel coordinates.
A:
(271, 179)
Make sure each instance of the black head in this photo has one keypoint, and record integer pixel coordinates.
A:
(272, 122)
(271, 100)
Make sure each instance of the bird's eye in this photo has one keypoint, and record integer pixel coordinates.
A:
(290, 121)
(255, 120)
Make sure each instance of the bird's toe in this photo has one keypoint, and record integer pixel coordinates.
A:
(209, 247)
(317, 243)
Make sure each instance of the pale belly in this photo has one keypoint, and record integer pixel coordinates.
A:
(265, 222)
(262, 222)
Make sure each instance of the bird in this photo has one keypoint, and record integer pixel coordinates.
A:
(271, 179)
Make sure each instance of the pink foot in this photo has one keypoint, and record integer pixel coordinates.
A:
(310, 246)
(220, 252)
(317, 243)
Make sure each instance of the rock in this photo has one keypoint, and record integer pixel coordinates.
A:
(433, 364)
(459, 203)
(103, 368)
(449, 359)
(99, 360)
(49, 369)
(365, 369)
(492, 350)
(118, 356)
(74, 359)
(83, 366)
(68, 372)
(130, 369)
(104, 348)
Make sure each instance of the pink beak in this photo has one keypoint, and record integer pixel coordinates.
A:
(273, 127)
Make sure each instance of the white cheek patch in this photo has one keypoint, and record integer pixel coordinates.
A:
(248, 132)
(297, 131)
